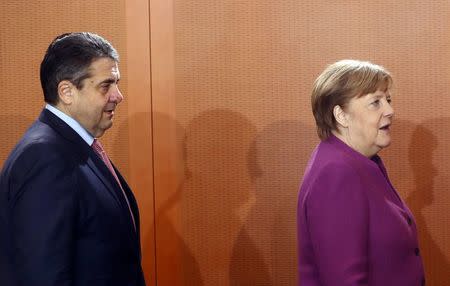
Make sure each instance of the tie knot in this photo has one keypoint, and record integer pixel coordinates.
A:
(97, 146)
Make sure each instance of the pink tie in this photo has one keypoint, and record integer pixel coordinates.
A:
(98, 148)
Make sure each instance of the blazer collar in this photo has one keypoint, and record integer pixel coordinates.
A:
(63, 129)
(374, 161)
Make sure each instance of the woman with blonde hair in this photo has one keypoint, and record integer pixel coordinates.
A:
(353, 227)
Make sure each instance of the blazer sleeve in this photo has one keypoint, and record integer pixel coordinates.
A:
(337, 214)
(42, 214)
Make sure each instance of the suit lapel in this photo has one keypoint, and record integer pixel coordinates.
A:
(134, 209)
(97, 166)
(131, 200)
(103, 173)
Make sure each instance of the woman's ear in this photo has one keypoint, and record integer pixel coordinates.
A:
(340, 116)
(65, 92)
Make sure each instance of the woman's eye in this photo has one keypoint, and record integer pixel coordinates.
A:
(376, 102)
(389, 100)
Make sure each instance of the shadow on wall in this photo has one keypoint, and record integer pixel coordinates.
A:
(12, 128)
(264, 252)
(175, 258)
(424, 182)
(217, 193)
(431, 188)
(121, 143)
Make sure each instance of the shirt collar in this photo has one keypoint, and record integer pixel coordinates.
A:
(87, 137)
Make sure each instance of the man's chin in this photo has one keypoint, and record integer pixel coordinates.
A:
(100, 131)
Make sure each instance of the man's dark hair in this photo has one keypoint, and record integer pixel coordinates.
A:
(69, 57)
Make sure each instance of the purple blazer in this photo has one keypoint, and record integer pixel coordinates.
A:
(353, 227)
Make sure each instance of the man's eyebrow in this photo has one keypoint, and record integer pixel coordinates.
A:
(109, 81)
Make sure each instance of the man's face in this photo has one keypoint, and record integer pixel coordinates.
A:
(94, 104)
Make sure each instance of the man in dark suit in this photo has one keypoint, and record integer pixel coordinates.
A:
(67, 216)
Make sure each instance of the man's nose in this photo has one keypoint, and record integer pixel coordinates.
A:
(116, 95)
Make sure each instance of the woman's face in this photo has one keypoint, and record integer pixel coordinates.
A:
(369, 118)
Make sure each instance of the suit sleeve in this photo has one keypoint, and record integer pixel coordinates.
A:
(337, 213)
(42, 211)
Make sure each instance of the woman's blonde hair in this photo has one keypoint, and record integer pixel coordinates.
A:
(339, 83)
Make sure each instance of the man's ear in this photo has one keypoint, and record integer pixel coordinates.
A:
(66, 92)
(340, 116)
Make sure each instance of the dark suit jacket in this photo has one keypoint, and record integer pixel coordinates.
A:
(63, 217)
(353, 227)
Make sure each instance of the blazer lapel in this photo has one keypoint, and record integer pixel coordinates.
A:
(102, 172)
(134, 209)
(97, 166)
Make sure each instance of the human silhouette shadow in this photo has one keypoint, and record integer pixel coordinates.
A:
(216, 193)
(265, 252)
(416, 176)
(171, 258)
(174, 258)
(423, 145)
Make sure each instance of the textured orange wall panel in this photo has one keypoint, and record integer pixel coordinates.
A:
(237, 112)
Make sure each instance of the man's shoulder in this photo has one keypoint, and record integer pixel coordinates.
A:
(39, 136)
(40, 144)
